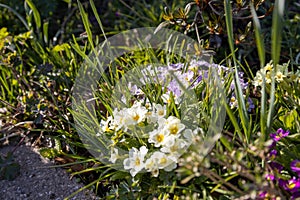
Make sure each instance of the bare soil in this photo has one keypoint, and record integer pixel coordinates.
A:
(39, 179)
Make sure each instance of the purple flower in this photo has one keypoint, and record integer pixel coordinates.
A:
(273, 154)
(291, 185)
(265, 195)
(175, 88)
(280, 133)
(295, 195)
(276, 166)
(295, 166)
(251, 105)
(176, 66)
(272, 145)
(270, 177)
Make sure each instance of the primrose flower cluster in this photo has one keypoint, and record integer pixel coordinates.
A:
(161, 146)
(281, 75)
(292, 184)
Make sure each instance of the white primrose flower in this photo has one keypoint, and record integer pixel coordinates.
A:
(279, 76)
(114, 155)
(135, 114)
(156, 113)
(164, 161)
(159, 137)
(268, 77)
(151, 117)
(135, 162)
(119, 118)
(173, 125)
(258, 79)
(233, 102)
(159, 160)
(268, 67)
(175, 147)
(151, 165)
(107, 125)
(160, 110)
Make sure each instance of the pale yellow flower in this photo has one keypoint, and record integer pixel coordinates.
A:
(279, 76)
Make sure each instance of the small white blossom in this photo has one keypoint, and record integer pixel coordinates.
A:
(135, 114)
(279, 76)
(107, 125)
(135, 162)
(119, 118)
(152, 166)
(173, 125)
(164, 162)
(114, 155)
(160, 110)
(159, 137)
(175, 147)
(159, 160)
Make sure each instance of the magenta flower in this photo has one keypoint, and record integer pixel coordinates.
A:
(270, 177)
(291, 185)
(263, 195)
(280, 133)
(295, 166)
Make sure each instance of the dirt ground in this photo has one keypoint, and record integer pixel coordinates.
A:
(38, 180)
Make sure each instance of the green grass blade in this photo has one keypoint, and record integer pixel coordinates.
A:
(98, 18)
(234, 122)
(86, 24)
(36, 14)
(277, 26)
(259, 37)
(261, 54)
(45, 32)
(239, 93)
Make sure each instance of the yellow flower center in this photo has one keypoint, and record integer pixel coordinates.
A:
(291, 185)
(163, 161)
(173, 129)
(161, 112)
(160, 137)
(137, 162)
(136, 117)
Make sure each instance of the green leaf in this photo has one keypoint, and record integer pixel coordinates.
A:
(243, 113)
(276, 37)
(48, 152)
(289, 118)
(226, 143)
(119, 176)
(261, 54)
(36, 14)
(86, 24)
